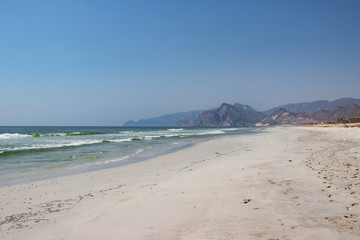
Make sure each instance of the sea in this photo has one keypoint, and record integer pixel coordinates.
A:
(36, 153)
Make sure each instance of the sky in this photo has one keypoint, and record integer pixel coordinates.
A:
(105, 62)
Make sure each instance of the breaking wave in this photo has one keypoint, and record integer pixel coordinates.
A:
(13, 135)
(41, 147)
(62, 134)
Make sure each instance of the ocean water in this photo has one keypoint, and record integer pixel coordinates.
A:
(32, 153)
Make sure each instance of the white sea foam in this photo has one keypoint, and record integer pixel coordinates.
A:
(57, 145)
(125, 132)
(114, 160)
(230, 129)
(211, 132)
(175, 129)
(151, 137)
(183, 134)
(13, 135)
(98, 163)
(139, 151)
(174, 135)
(119, 140)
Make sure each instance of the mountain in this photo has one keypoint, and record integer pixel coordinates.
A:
(164, 120)
(344, 112)
(284, 117)
(251, 114)
(225, 116)
(308, 107)
(244, 115)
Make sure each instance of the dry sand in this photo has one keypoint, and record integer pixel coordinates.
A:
(286, 183)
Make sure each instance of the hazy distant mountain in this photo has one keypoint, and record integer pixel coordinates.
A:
(308, 107)
(164, 120)
(244, 115)
(344, 112)
(225, 116)
(251, 114)
(284, 117)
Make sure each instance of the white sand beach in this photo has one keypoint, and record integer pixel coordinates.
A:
(286, 183)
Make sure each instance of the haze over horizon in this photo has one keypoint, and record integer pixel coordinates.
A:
(107, 62)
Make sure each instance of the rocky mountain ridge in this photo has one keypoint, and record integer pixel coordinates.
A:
(284, 117)
(164, 120)
(308, 107)
(228, 115)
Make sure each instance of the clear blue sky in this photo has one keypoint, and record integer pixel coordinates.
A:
(106, 62)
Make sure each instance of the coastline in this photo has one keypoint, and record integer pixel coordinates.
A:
(339, 125)
(32, 154)
(120, 162)
(285, 183)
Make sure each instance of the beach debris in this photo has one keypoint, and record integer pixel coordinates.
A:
(346, 222)
(271, 181)
(246, 200)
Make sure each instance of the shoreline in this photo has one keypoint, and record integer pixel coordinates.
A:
(338, 125)
(114, 147)
(97, 167)
(272, 185)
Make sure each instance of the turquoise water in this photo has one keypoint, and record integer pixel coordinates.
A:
(30, 153)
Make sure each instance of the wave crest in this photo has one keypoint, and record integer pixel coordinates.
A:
(13, 135)
(40, 147)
